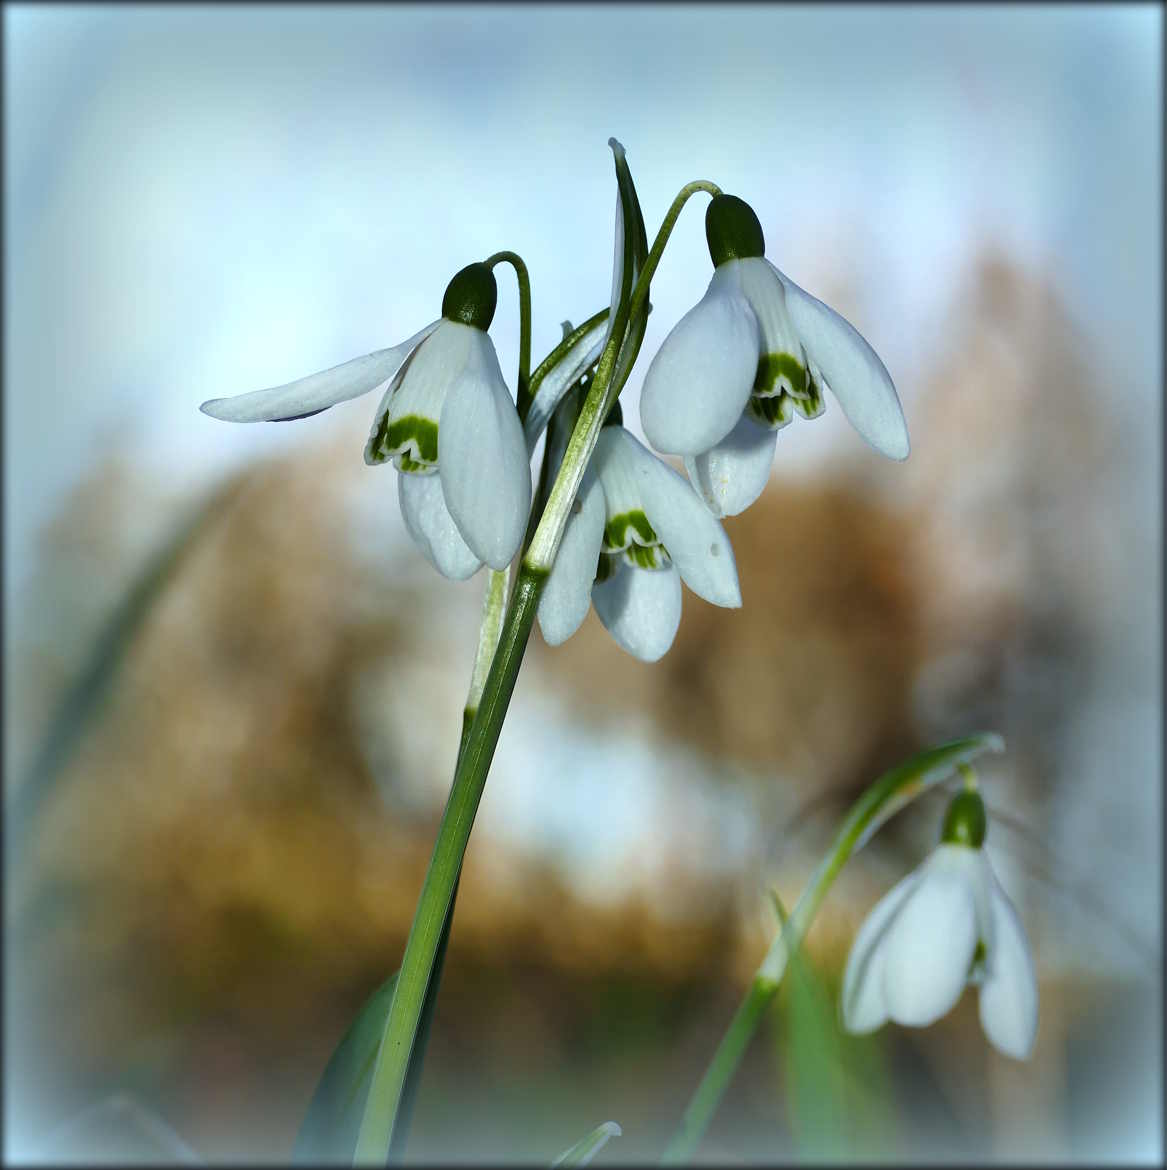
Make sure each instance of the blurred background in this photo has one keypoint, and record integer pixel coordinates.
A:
(233, 688)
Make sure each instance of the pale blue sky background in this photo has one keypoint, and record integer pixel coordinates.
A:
(201, 201)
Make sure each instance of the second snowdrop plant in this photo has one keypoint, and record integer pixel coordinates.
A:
(610, 525)
(945, 926)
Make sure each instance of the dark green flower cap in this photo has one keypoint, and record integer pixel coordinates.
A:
(615, 417)
(965, 822)
(471, 297)
(732, 230)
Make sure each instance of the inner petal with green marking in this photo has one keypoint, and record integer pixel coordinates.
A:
(777, 409)
(606, 566)
(411, 442)
(623, 529)
(631, 534)
(641, 556)
(780, 373)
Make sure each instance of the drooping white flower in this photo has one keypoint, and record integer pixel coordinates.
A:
(446, 416)
(753, 352)
(638, 530)
(946, 925)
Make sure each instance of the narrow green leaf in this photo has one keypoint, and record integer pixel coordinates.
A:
(814, 1074)
(636, 254)
(329, 1129)
(84, 697)
(328, 1132)
(587, 1148)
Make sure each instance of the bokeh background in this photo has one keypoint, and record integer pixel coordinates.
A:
(233, 688)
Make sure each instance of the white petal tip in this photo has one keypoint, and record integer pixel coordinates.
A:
(217, 408)
(898, 447)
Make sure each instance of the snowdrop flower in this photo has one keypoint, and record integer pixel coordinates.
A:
(945, 925)
(637, 530)
(753, 352)
(447, 422)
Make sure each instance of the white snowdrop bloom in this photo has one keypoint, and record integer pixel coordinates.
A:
(636, 531)
(752, 353)
(445, 417)
(946, 925)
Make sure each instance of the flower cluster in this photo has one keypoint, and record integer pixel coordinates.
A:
(755, 351)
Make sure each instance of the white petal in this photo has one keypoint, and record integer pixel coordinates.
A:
(432, 527)
(441, 361)
(416, 395)
(700, 379)
(555, 384)
(862, 1002)
(641, 609)
(1008, 995)
(767, 297)
(317, 391)
(568, 591)
(732, 475)
(856, 376)
(482, 459)
(930, 943)
(695, 540)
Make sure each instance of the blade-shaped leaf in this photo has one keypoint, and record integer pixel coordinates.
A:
(83, 699)
(328, 1132)
(636, 253)
(587, 1148)
(814, 1075)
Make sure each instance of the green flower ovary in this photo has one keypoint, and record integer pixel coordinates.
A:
(412, 441)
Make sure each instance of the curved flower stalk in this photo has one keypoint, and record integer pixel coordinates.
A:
(637, 531)
(946, 925)
(752, 353)
(446, 421)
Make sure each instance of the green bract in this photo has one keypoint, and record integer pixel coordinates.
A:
(732, 230)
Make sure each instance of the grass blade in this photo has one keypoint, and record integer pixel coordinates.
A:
(588, 1147)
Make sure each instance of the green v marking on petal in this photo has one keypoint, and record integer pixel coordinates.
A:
(414, 438)
(771, 367)
(616, 537)
(651, 557)
(422, 432)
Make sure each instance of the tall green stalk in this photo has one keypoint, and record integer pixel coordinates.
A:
(405, 1012)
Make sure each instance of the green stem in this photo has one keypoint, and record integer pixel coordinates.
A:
(445, 864)
(601, 394)
(893, 791)
(524, 392)
(493, 605)
(425, 1021)
(405, 1011)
